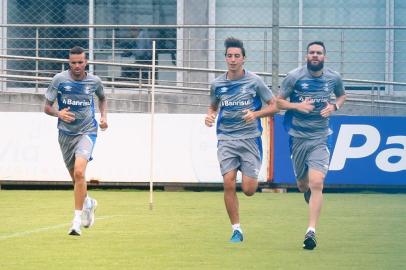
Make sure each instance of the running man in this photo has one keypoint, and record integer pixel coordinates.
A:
(236, 97)
(74, 89)
(309, 89)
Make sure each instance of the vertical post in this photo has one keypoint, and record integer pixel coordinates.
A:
(265, 50)
(271, 155)
(91, 35)
(180, 42)
(36, 55)
(275, 46)
(113, 55)
(2, 51)
(151, 172)
(300, 36)
(3, 42)
(342, 53)
(389, 44)
(275, 75)
(212, 39)
(378, 96)
(189, 41)
(372, 100)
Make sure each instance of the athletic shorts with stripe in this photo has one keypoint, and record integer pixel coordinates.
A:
(73, 146)
(244, 155)
(309, 153)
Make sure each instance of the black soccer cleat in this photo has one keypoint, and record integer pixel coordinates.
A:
(310, 241)
(74, 232)
(307, 195)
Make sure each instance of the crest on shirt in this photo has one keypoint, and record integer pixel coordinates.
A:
(223, 89)
(325, 88)
(67, 88)
(305, 86)
(245, 89)
(87, 89)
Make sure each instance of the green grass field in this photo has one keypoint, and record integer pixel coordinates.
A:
(190, 230)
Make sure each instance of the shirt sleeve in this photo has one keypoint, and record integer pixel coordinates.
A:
(263, 90)
(213, 99)
(52, 91)
(287, 86)
(99, 88)
(339, 87)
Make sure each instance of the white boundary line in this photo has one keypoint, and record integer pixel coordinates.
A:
(44, 229)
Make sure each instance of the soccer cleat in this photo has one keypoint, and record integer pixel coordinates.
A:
(307, 195)
(236, 237)
(75, 229)
(310, 240)
(88, 212)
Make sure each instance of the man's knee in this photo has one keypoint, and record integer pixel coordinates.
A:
(316, 185)
(249, 185)
(229, 181)
(316, 180)
(302, 185)
(249, 192)
(79, 175)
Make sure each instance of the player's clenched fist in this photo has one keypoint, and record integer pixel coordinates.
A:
(103, 123)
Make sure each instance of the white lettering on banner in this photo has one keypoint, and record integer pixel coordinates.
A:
(382, 160)
(344, 151)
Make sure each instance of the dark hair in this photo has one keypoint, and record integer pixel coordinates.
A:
(232, 42)
(320, 43)
(76, 50)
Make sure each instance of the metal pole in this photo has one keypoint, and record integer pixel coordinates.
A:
(378, 107)
(342, 53)
(151, 173)
(113, 53)
(275, 46)
(372, 100)
(37, 55)
(390, 46)
(265, 51)
(300, 57)
(188, 57)
(212, 40)
(3, 42)
(91, 35)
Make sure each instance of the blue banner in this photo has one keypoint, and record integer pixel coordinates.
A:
(364, 151)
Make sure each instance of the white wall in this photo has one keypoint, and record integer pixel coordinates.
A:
(185, 149)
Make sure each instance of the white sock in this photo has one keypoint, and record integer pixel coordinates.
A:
(236, 227)
(78, 215)
(311, 229)
(86, 201)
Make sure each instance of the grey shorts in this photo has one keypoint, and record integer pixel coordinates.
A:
(307, 154)
(73, 146)
(244, 155)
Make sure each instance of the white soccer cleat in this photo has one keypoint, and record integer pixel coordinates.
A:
(75, 229)
(88, 212)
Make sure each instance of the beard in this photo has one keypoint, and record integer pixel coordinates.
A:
(315, 68)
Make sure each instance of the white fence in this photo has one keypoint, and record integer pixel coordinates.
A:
(185, 149)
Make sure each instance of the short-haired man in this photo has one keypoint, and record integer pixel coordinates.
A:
(74, 89)
(236, 98)
(309, 89)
